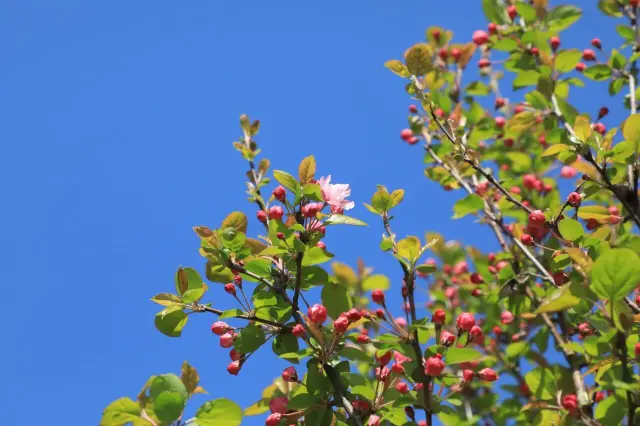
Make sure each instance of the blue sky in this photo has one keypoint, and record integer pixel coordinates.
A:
(118, 119)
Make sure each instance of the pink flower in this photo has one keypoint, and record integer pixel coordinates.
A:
(335, 194)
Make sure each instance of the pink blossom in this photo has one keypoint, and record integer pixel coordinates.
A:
(568, 172)
(335, 194)
(400, 358)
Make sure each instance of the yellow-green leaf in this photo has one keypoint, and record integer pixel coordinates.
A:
(237, 221)
(418, 59)
(559, 300)
(398, 68)
(166, 299)
(307, 169)
(409, 247)
(555, 149)
(582, 127)
(121, 412)
(377, 281)
(631, 128)
(396, 197)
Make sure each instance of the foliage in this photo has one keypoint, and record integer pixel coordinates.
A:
(543, 332)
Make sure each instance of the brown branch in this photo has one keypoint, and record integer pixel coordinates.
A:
(203, 308)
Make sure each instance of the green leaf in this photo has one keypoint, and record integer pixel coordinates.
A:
(168, 406)
(121, 412)
(338, 219)
(570, 229)
(516, 349)
(536, 100)
(398, 68)
(610, 8)
(418, 59)
(631, 128)
(526, 78)
(336, 299)
(395, 416)
(527, 12)
(230, 313)
(285, 344)
(249, 339)
(469, 204)
(237, 221)
(167, 383)
(363, 391)
(567, 110)
(219, 412)
(478, 88)
(567, 60)
(615, 273)
(307, 169)
(286, 180)
(562, 17)
(610, 411)
(541, 383)
(171, 324)
(559, 300)
(315, 256)
(460, 355)
(494, 10)
(187, 279)
(377, 281)
(312, 191)
(599, 72)
(409, 248)
(426, 268)
(626, 32)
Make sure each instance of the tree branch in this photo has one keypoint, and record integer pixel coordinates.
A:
(203, 308)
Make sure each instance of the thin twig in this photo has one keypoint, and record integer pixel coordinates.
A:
(203, 308)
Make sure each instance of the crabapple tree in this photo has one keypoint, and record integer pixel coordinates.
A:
(542, 331)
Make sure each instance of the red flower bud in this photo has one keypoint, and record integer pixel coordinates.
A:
(484, 63)
(317, 313)
(492, 27)
(555, 43)
(476, 334)
(262, 216)
(235, 355)
(603, 112)
(476, 278)
(230, 288)
(363, 338)
(279, 193)
(406, 134)
(298, 331)
(413, 109)
(570, 402)
(447, 339)
(226, 340)
(439, 317)
(488, 375)
(527, 240)
(574, 199)
(402, 387)
(588, 55)
(465, 322)
(536, 217)
(480, 37)
(506, 317)
(233, 368)
(433, 366)
(219, 328)
(595, 42)
(290, 374)
(273, 419)
(384, 358)
(600, 128)
(512, 12)
(279, 404)
(467, 375)
(378, 297)
(276, 213)
(500, 102)
(581, 66)
(341, 325)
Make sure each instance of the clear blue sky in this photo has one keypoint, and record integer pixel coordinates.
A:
(117, 123)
